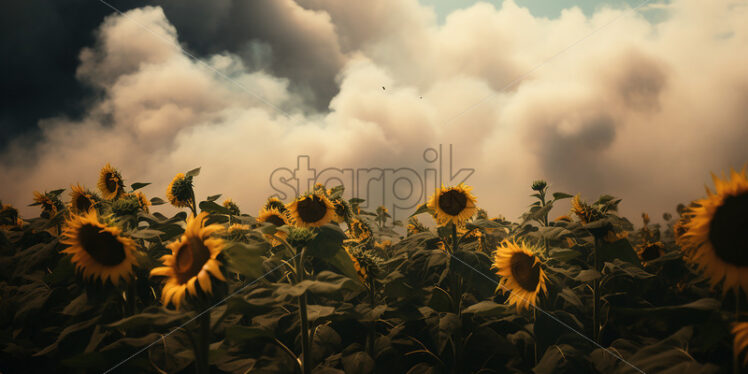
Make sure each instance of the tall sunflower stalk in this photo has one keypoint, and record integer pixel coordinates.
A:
(192, 264)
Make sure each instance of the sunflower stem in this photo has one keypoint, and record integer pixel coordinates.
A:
(372, 326)
(305, 357)
(736, 354)
(535, 332)
(596, 294)
(204, 320)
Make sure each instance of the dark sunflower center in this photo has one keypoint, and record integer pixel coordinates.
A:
(111, 182)
(275, 220)
(311, 209)
(101, 245)
(452, 202)
(82, 203)
(727, 230)
(650, 252)
(191, 257)
(525, 272)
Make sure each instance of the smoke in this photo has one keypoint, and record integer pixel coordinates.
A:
(640, 110)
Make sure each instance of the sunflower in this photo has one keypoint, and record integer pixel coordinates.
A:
(142, 201)
(342, 211)
(359, 230)
(740, 344)
(179, 192)
(521, 273)
(278, 219)
(274, 202)
(232, 207)
(81, 200)
(582, 210)
(360, 271)
(99, 250)
(453, 204)
(650, 251)
(311, 210)
(192, 260)
(9, 217)
(49, 203)
(111, 184)
(715, 238)
(415, 226)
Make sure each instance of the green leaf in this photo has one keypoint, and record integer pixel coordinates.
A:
(192, 173)
(628, 268)
(563, 254)
(587, 275)
(213, 197)
(315, 312)
(157, 201)
(358, 363)
(327, 242)
(137, 186)
(571, 297)
(561, 195)
(212, 207)
(485, 308)
(247, 259)
(147, 234)
(423, 208)
(620, 249)
(705, 304)
(241, 334)
(148, 320)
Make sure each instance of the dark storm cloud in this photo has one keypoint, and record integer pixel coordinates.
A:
(41, 41)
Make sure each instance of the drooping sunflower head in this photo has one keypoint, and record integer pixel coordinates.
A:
(299, 236)
(581, 209)
(311, 210)
(99, 249)
(612, 236)
(276, 203)
(415, 226)
(715, 234)
(232, 207)
(522, 273)
(142, 201)
(539, 185)
(278, 219)
(179, 192)
(127, 205)
(9, 216)
(49, 203)
(359, 230)
(650, 251)
(342, 211)
(110, 184)
(740, 342)
(81, 200)
(453, 205)
(366, 263)
(193, 263)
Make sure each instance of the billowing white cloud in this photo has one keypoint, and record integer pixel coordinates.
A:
(639, 110)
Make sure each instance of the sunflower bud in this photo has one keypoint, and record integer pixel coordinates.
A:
(539, 185)
(298, 237)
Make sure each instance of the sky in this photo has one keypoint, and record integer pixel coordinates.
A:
(593, 98)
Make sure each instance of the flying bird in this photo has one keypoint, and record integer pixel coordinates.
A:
(382, 88)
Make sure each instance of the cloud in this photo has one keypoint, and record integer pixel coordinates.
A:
(639, 110)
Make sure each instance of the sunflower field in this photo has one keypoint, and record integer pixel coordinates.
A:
(101, 282)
